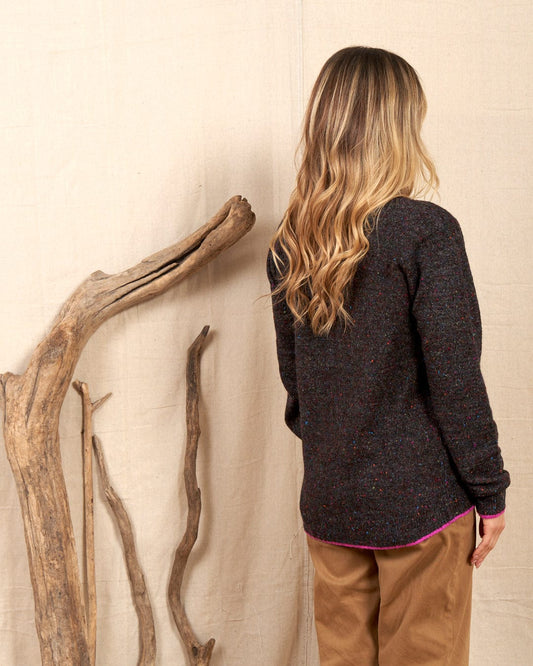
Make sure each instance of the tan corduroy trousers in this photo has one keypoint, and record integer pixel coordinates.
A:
(397, 607)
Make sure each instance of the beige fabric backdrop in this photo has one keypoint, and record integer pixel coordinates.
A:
(124, 126)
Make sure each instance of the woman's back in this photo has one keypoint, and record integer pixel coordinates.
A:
(392, 410)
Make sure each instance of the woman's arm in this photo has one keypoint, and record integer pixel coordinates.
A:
(283, 323)
(447, 316)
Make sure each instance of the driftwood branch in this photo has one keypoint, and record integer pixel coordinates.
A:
(198, 654)
(89, 597)
(139, 592)
(32, 403)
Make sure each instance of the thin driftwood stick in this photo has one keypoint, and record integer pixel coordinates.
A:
(141, 600)
(88, 408)
(32, 404)
(198, 654)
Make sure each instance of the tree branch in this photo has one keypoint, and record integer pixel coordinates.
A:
(32, 404)
(198, 654)
(88, 409)
(141, 600)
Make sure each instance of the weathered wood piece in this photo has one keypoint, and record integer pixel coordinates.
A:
(89, 572)
(141, 600)
(32, 403)
(198, 654)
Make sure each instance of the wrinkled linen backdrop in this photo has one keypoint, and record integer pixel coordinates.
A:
(127, 124)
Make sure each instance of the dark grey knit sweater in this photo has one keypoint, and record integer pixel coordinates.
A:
(397, 431)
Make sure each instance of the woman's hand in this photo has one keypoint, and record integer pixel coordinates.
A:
(489, 531)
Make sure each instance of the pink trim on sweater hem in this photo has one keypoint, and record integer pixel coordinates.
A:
(494, 515)
(414, 543)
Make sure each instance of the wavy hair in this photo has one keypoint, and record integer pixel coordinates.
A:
(360, 147)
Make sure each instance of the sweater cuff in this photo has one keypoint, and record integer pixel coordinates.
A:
(490, 507)
(495, 516)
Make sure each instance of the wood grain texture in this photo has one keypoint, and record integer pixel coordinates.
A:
(197, 654)
(88, 557)
(141, 600)
(32, 403)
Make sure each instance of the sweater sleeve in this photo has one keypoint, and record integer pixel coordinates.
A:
(448, 320)
(283, 323)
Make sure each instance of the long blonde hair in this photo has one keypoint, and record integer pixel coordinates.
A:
(360, 147)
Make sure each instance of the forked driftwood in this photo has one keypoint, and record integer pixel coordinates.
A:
(32, 403)
(141, 600)
(198, 654)
(89, 573)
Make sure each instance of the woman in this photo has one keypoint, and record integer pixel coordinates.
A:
(378, 337)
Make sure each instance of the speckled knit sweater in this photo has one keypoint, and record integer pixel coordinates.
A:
(397, 431)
